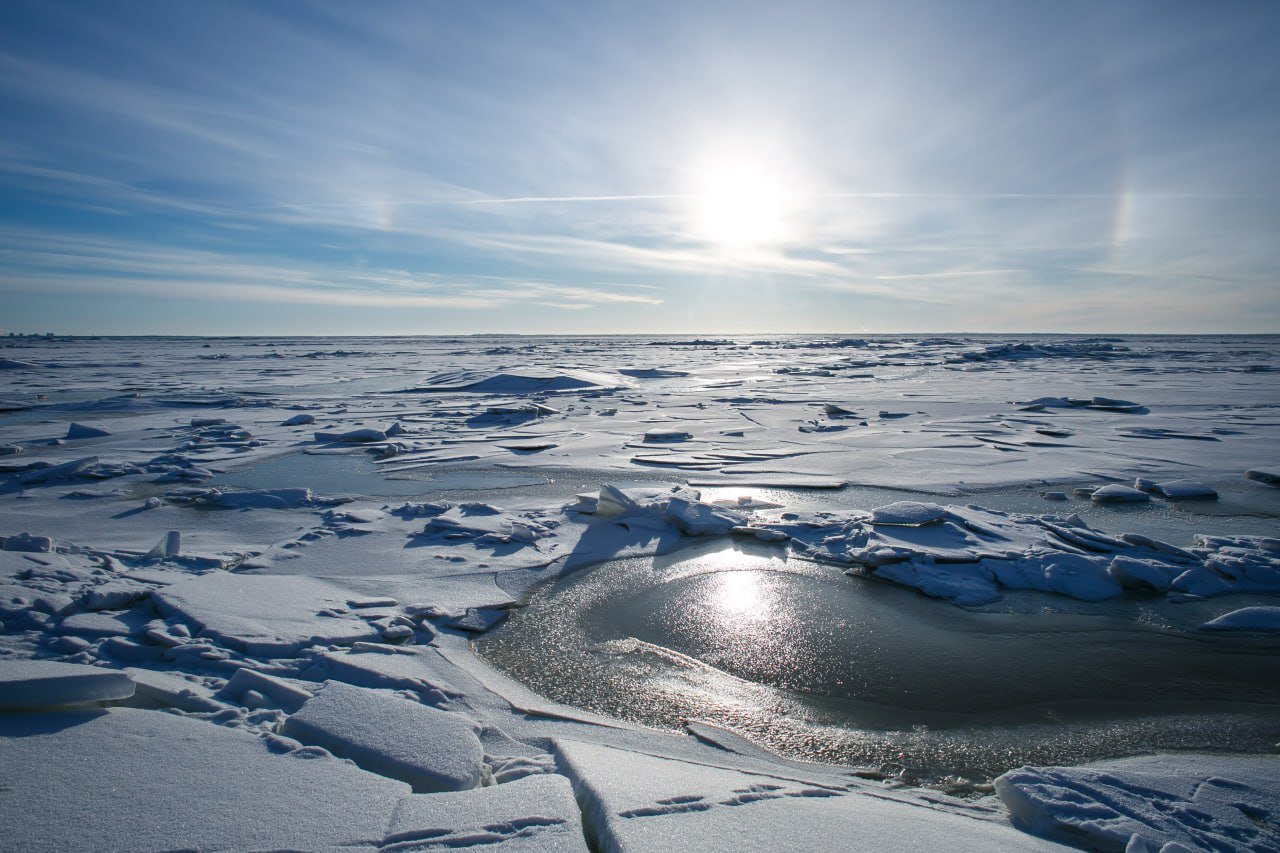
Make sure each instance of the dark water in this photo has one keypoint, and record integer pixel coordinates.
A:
(815, 664)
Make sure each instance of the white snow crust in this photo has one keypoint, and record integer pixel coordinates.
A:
(1154, 803)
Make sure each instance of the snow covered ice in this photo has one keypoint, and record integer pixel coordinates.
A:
(254, 586)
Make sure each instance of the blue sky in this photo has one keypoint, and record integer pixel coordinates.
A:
(295, 167)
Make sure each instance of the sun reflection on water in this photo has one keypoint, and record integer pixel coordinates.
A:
(738, 595)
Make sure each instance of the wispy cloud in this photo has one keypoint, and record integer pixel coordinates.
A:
(45, 262)
(538, 159)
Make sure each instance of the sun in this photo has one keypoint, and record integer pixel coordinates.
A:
(739, 205)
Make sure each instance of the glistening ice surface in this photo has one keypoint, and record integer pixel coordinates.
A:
(819, 665)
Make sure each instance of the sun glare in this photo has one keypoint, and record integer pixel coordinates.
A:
(738, 595)
(740, 205)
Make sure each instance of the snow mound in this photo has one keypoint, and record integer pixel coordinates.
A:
(1176, 490)
(431, 750)
(1259, 619)
(1116, 493)
(1144, 804)
(1267, 477)
(27, 684)
(908, 513)
(517, 382)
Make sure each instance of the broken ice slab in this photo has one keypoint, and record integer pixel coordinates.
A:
(355, 436)
(272, 615)
(666, 435)
(26, 542)
(51, 473)
(634, 801)
(908, 513)
(537, 814)
(78, 431)
(29, 684)
(695, 518)
(432, 750)
(131, 779)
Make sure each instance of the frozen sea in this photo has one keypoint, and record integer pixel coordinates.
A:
(571, 592)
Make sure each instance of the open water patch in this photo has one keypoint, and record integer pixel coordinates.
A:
(817, 665)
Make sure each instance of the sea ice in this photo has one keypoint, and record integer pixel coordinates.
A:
(310, 587)
(431, 750)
